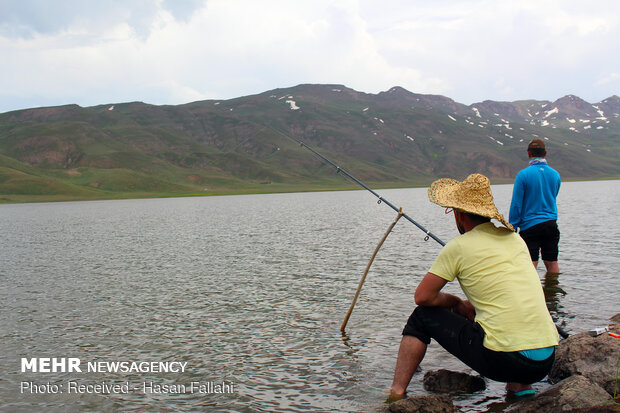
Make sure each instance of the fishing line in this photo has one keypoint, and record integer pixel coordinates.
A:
(363, 185)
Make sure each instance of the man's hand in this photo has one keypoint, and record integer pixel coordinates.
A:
(465, 308)
(429, 294)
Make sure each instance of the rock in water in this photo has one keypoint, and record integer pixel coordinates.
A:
(446, 381)
(422, 404)
(595, 358)
(574, 394)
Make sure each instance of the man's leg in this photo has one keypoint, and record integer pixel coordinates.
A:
(532, 240)
(549, 247)
(410, 354)
(465, 340)
(552, 267)
(452, 331)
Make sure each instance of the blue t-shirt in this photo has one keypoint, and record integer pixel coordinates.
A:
(533, 196)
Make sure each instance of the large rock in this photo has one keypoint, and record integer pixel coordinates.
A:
(446, 381)
(422, 404)
(596, 358)
(584, 375)
(574, 394)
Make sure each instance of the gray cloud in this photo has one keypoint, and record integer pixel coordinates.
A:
(183, 10)
(27, 18)
(170, 52)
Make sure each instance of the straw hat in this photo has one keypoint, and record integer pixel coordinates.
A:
(473, 195)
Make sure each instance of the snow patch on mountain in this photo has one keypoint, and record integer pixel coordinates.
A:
(293, 105)
(551, 112)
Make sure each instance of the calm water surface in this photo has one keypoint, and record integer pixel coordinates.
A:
(251, 291)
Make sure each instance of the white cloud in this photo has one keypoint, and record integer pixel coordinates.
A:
(159, 52)
(610, 78)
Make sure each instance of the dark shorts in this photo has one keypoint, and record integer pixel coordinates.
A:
(464, 338)
(544, 237)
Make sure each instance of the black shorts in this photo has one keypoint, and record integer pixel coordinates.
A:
(544, 237)
(464, 338)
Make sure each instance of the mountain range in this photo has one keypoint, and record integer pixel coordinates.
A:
(394, 138)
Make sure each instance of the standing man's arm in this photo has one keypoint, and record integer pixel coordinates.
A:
(516, 204)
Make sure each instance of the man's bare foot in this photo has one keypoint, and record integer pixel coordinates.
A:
(392, 396)
(519, 390)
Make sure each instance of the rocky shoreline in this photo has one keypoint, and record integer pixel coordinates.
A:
(584, 377)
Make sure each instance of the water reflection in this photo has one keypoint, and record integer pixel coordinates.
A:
(553, 292)
(346, 340)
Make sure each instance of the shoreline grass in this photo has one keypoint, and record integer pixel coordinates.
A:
(254, 190)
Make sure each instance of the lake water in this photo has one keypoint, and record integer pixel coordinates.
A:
(250, 292)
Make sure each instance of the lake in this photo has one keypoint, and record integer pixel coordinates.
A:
(248, 293)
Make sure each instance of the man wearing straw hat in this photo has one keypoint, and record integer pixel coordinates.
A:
(503, 330)
(533, 207)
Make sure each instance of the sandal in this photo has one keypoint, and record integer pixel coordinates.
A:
(523, 393)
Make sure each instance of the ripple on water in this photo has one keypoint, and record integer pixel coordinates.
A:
(252, 290)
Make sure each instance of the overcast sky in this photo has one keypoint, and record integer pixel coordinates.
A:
(91, 52)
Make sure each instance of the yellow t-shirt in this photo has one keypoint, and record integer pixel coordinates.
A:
(495, 271)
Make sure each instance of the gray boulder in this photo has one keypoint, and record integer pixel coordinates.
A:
(574, 394)
(584, 374)
(595, 358)
(446, 381)
(422, 404)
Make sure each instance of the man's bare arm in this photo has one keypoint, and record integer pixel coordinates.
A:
(429, 294)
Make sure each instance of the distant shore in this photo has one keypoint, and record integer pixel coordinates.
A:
(262, 190)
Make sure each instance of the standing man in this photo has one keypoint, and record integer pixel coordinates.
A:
(533, 208)
(503, 330)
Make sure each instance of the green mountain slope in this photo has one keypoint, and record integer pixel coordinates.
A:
(394, 138)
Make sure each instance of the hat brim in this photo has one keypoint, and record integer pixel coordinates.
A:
(447, 193)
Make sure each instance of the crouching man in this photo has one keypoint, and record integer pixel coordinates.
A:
(503, 330)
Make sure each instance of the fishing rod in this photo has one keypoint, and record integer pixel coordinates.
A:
(363, 185)
(561, 331)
